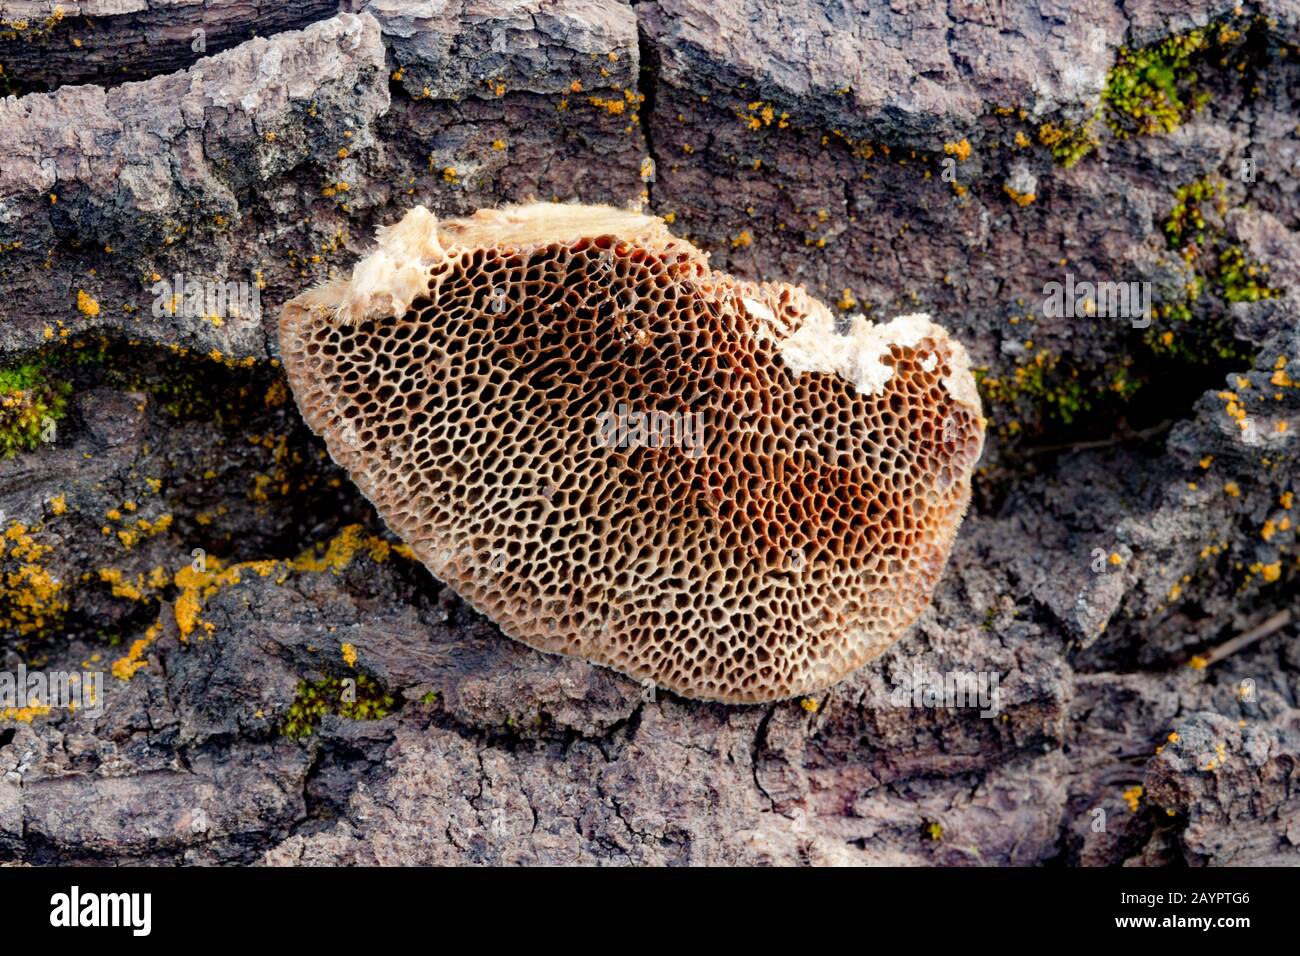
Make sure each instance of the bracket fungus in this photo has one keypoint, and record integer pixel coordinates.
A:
(621, 454)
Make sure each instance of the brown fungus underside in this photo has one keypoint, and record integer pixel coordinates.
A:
(470, 376)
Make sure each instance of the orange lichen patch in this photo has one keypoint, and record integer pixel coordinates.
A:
(86, 304)
(196, 587)
(759, 114)
(342, 549)
(1279, 377)
(121, 586)
(349, 655)
(1269, 572)
(30, 597)
(960, 149)
(199, 584)
(25, 715)
(1133, 796)
(1020, 199)
(124, 668)
(141, 528)
(469, 373)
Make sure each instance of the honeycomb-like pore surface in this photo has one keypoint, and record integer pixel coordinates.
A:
(774, 512)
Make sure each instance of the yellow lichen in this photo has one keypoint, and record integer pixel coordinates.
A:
(960, 149)
(25, 715)
(30, 597)
(86, 304)
(121, 587)
(124, 668)
(1020, 199)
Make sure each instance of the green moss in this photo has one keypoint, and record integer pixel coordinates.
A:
(31, 405)
(1068, 142)
(1042, 391)
(1239, 278)
(1156, 88)
(313, 700)
(9, 86)
(1219, 267)
(186, 384)
(1186, 221)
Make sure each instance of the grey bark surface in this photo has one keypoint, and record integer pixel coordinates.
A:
(270, 159)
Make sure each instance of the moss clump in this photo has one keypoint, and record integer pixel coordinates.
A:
(1239, 279)
(186, 384)
(1154, 89)
(1044, 391)
(313, 700)
(1068, 142)
(31, 405)
(1190, 343)
(1185, 224)
(8, 85)
(1193, 230)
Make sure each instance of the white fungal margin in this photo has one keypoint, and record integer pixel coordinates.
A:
(857, 356)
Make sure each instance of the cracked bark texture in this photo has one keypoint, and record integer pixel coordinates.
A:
(270, 159)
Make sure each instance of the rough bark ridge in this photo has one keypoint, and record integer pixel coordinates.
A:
(181, 526)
